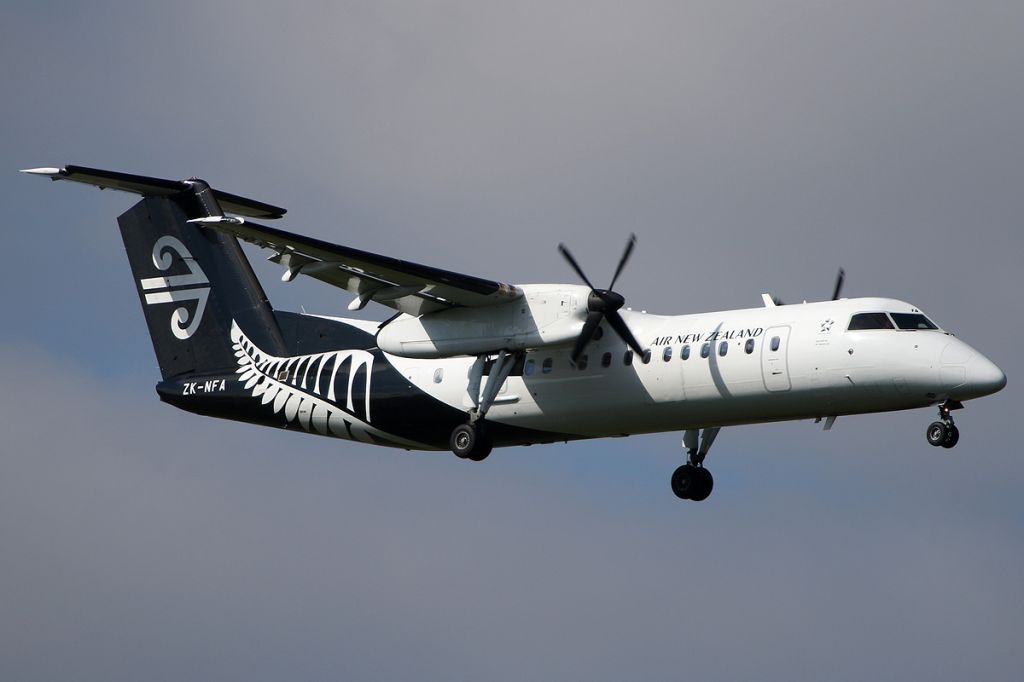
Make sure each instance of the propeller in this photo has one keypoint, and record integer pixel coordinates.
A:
(840, 278)
(603, 304)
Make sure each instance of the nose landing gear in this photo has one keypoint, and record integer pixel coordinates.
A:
(692, 481)
(944, 433)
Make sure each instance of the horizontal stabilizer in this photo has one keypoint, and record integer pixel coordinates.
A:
(147, 186)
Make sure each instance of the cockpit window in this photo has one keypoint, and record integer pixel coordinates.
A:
(870, 321)
(912, 321)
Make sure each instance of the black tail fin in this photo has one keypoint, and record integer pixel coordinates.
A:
(193, 283)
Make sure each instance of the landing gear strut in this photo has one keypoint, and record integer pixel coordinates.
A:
(944, 432)
(470, 441)
(692, 481)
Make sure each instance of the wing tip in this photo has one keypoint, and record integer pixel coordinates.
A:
(48, 172)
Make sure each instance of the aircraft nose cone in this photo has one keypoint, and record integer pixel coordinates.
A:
(983, 377)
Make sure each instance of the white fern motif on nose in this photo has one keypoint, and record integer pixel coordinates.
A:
(303, 389)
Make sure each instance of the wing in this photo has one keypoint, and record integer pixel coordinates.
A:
(407, 287)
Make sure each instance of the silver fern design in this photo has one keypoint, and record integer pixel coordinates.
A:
(303, 388)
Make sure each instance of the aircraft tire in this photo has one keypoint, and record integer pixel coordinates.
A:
(705, 484)
(483, 449)
(469, 442)
(936, 433)
(463, 440)
(952, 437)
(692, 483)
(683, 481)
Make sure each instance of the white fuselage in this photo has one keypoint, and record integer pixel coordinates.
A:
(762, 364)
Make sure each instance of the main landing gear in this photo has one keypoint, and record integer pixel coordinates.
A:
(470, 440)
(944, 432)
(692, 481)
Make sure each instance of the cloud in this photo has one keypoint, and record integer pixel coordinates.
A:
(751, 149)
(138, 538)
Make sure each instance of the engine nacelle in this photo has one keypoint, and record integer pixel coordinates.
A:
(546, 315)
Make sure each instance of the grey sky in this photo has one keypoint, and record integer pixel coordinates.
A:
(751, 146)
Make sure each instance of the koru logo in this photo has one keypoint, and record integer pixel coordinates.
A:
(177, 288)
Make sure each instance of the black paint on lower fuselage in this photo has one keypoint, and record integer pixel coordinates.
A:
(397, 407)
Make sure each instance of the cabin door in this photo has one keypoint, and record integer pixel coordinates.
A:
(775, 359)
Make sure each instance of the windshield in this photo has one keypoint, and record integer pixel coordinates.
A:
(904, 321)
(912, 321)
(870, 321)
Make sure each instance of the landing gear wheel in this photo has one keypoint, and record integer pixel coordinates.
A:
(705, 484)
(937, 433)
(692, 483)
(952, 437)
(483, 448)
(469, 442)
(462, 440)
(683, 481)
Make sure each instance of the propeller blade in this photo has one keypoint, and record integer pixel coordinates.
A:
(602, 304)
(575, 266)
(622, 261)
(839, 284)
(619, 325)
(589, 327)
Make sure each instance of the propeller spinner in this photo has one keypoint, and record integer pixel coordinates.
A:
(603, 304)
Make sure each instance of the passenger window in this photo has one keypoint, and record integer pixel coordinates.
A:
(776, 341)
(438, 375)
(627, 359)
(666, 354)
(870, 321)
(581, 364)
(685, 353)
(749, 346)
(723, 348)
(912, 321)
(647, 356)
(606, 360)
(528, 368)
(705, 350)
(546, 367)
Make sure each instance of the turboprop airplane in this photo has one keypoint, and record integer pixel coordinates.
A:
(468, 364)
